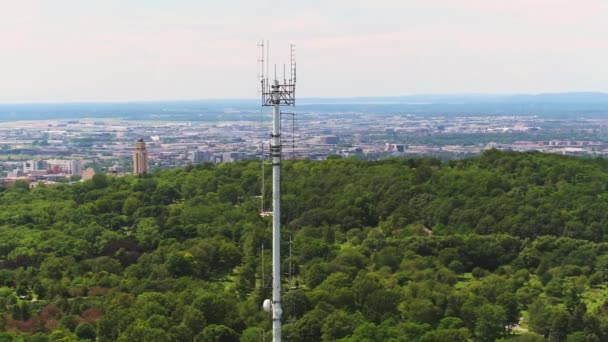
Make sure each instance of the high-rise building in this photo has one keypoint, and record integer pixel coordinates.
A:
(200, 156)
(394, 147)
(53, 166)
(140, 158)
(34, 165)
(233, 156)
(71, 167)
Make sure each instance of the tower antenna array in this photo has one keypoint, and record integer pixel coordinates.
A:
(275, 95)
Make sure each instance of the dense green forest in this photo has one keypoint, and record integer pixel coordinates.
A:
(502, 246)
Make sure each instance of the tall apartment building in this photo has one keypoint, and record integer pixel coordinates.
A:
(55, 166)
(71, 167)
(140, 158)
(200, 156)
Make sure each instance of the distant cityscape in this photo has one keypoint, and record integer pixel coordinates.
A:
(69, 150)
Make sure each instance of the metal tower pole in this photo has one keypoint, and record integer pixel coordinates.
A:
(276, 95)
(275, 151)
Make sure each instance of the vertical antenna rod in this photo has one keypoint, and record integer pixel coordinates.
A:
(262, 204)
(275, 96)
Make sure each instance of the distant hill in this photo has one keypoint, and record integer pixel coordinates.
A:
(575, 97)
(587, 104)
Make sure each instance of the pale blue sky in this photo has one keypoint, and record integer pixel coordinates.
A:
(76, 50)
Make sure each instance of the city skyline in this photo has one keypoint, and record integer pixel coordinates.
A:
(65, 51)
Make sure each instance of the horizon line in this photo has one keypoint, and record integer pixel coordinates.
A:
(220, 99)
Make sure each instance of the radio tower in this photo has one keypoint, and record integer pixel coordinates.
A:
(276, 94)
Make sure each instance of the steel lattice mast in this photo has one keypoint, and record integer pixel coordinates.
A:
(275, 95)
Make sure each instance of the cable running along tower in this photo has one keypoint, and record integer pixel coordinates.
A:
(276, 94)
